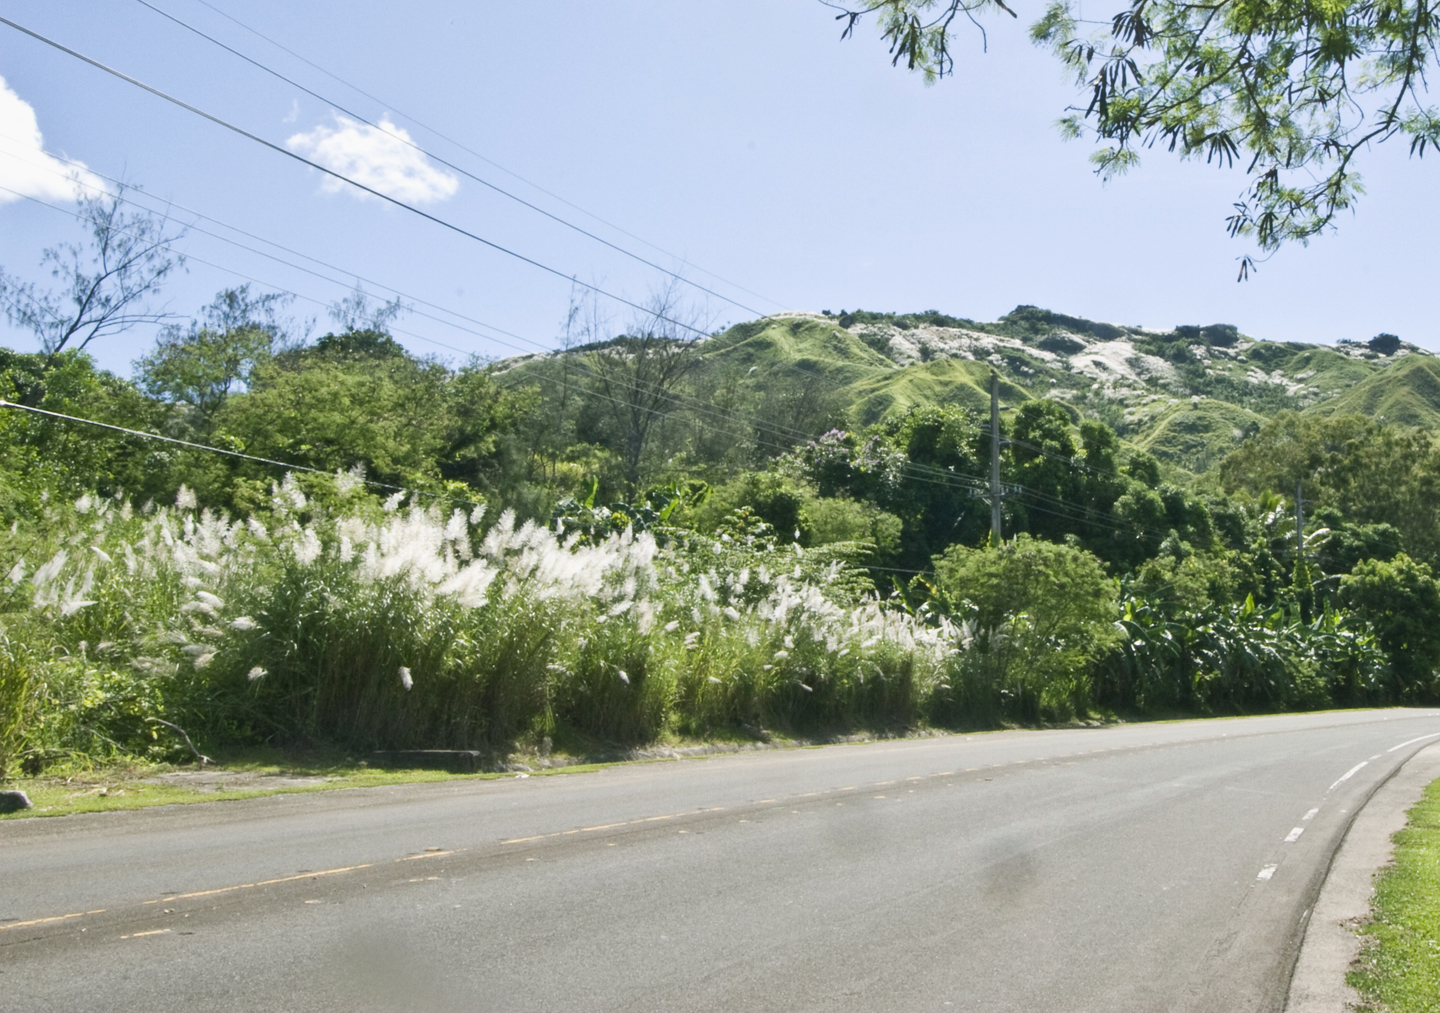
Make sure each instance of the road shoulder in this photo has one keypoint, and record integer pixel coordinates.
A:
(1331, 945)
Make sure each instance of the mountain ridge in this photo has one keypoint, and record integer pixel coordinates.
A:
(1188, 395)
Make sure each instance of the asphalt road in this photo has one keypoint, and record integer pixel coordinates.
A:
(1148, 867)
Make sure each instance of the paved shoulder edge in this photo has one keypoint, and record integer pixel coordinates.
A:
(1330, 944)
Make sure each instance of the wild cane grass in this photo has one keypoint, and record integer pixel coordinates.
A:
(414, 629)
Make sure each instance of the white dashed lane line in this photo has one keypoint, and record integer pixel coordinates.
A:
(1347, 775)
(1294, 835)
(1411, 742)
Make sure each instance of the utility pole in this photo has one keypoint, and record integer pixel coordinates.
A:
(995, 493)
(1299, 525)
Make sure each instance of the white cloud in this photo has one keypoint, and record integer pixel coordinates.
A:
(25, 169)
(380, 157)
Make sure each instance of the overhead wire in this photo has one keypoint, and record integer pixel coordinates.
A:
(926, 474)
(582, 368)
(436, 219)
(777, 429)
(679, 402)
(470, 151)
(941, 475)
(288, 465)
(463, 171)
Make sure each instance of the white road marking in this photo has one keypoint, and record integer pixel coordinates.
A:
(1266, 872)
(1310, 815)
(1411, 742)
(1294, 835)
(1347, 775)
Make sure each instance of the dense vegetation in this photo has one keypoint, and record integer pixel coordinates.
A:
(775, 528)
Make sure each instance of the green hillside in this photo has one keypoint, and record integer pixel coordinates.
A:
(1408, 393)
(1188, 395)
(1196, 433)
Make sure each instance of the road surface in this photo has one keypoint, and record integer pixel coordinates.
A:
(1164, 866)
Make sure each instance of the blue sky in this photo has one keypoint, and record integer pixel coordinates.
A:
(741, 137)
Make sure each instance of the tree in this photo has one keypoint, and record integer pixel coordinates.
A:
(203, 364)
(105, 288)
(637, 377)
(358, 313)
(333, 406)
(42, 457)
(1037, 615)
(1369, 473)
(1400, 599)
(1294, 92)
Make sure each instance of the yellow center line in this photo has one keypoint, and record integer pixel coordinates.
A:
(602, 826)
(200, 893)
(209, 893)
(263, 882)
(152, 932)
(42, 921)
(312, 875)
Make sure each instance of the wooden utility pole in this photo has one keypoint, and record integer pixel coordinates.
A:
(995, 493)
(1299, 525)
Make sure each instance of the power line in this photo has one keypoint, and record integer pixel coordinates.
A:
(924, 473)
(476, 154)
(297, 467)
(465, 172)
(459, 230)
(683, 403)
(698, 406)
(921, 473)
(796, 367)
(679, 402)
(194, 446)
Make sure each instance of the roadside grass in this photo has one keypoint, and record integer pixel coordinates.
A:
(129, 785)
(1398, 970)
(121, 784)
(64, 790)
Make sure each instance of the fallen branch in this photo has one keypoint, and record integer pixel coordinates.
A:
(200, 757)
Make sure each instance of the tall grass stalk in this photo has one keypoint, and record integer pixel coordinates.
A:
(404, 628)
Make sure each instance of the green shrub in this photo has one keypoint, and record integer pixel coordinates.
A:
(1034, 616)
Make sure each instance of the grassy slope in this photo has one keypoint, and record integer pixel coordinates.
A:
(1194, 435)
(1399, 969)
(1408, 393)
(942, 381)
(813, 345)
(1238, 386)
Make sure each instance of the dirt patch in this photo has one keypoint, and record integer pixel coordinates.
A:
(217, 780)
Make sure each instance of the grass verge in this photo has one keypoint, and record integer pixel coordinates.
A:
(135, 785)
(256, 773)
(1398, 970)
